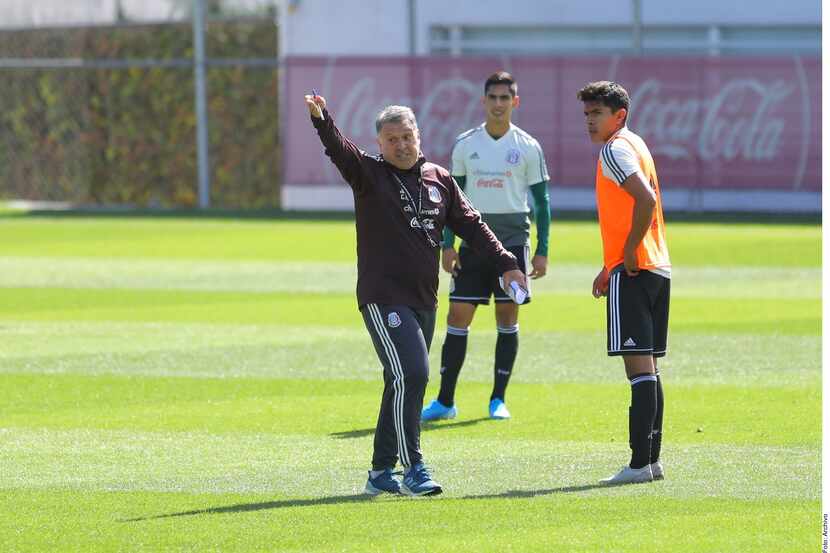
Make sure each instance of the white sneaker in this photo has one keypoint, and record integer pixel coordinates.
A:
(657, 470)
(628, 475)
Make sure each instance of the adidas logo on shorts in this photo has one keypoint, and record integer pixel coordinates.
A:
(630, 343)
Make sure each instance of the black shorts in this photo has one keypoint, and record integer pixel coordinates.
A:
(478, 278)
(637, 313)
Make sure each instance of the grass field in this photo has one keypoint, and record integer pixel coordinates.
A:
(207, 384)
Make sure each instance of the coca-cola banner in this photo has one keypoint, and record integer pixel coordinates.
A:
(712, 123)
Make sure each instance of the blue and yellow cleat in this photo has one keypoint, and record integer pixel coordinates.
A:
(498, 410)
(417, 481)
(437, 410)
(383, 482)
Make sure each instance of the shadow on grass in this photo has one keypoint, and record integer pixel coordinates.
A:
(356, 498)
(425, 427)
(248, 507)
(512, 494)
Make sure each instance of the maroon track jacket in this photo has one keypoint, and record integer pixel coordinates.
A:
(396, 264)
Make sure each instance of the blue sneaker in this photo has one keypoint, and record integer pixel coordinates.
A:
(417, 481)
(383, 482)
(437, 410)
(498, 410)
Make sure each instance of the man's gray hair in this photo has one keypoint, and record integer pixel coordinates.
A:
(394, 114)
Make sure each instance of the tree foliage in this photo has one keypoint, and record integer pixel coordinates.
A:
(102, 135)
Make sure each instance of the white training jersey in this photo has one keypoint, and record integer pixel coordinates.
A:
(499, 172)
(619, 160)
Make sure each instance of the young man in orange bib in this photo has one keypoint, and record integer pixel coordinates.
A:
(636, 273)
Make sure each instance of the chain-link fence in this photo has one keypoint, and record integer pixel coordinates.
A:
(106, 115)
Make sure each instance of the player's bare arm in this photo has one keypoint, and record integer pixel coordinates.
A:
(600, 286)
(450, 260)
(644, 202)
(541, 201)
(540, 266)
(514, 276)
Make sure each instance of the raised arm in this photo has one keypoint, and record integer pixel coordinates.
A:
(344, 153)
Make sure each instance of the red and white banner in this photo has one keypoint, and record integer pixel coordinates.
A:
(712, 123)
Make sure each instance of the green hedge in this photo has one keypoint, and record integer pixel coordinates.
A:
(128, 136)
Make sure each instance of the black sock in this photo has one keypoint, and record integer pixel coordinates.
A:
(507, 346)
(657, 428)
(641, 416)
(452, 358)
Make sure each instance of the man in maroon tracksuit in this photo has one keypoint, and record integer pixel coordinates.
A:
(402, 203)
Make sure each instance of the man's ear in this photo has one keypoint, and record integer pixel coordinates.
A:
(516, 102)
(622, 113)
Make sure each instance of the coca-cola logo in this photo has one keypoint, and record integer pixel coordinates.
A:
(716, 123)
(738, 122)
(489, 183)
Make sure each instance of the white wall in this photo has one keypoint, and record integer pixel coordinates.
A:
(57, 13)
(354, 27)
(22, 13)
(368, 27)
(733, 12)
(16, 14)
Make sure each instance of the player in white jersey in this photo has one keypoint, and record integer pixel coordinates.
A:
(498, 165)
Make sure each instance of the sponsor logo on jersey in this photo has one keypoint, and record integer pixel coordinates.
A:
(394, 320)
(435, 211)
(489, 183)
(429, 224)
(434, 194)
(513, 156)
(474, 155)
(414, 223)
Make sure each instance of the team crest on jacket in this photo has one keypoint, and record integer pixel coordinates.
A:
(513, 156)
(434, 194)
(394, 320)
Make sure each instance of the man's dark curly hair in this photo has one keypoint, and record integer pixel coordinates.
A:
(607, 93)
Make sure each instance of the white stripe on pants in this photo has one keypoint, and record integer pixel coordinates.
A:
(614, 306)
(397, 381)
